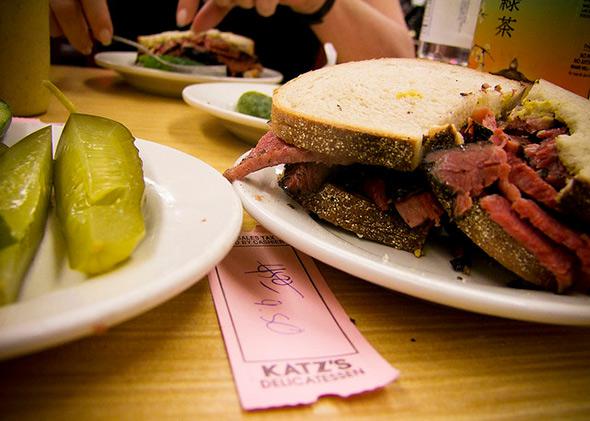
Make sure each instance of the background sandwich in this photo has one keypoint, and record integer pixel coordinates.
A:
(235, 51)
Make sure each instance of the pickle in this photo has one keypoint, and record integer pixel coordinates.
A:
(5, 118)
(254, 103)
(99, 190)
(151, 63)
(25, 191)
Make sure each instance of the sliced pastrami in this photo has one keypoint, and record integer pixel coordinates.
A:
(551, 256)
(531, 183)
(467, 171)
(415, 209)
(486, 117)
(509, 190)
(419, 208)
(374, 188)
(505, 141)
(498, 136)
(555, 230)
(271, 151)
(306, 177)
(551, 133)
(530, 125)
(541, 155)
(543, 158)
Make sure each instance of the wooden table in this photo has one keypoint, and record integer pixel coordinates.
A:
(171, 363)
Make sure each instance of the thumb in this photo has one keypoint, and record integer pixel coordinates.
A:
(209, 16)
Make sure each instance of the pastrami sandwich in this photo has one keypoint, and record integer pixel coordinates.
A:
(234, 51)
(370, 147)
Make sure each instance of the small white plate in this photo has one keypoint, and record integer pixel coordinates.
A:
(429, 277)
(167, 83)
(220, 99)
(192, 220)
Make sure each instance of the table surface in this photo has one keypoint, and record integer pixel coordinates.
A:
(170, 362)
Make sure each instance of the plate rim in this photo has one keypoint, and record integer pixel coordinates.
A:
(483, 299)
(102, 59)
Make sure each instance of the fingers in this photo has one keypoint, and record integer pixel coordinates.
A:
(97, 14)
(54, 28)
(224, 3)
(245, 4)
(303, 6)
(185, 11)
(263, 7)
(209, 16)
(213, 11)
(70, 19)
(266, 7)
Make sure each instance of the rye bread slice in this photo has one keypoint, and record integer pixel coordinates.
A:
(362, 217)
(378, 112)
(492, 239)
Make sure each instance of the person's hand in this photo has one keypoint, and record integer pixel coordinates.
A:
(213, 11)
(81, 21)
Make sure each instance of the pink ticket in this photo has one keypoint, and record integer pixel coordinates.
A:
(288, 339)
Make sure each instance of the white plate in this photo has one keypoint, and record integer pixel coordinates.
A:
(166, 83)
(220, 99)
(192, 220)
(429, 277)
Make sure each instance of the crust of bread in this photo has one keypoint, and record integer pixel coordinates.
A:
(344, 144)
(362, 217)
(442, 137)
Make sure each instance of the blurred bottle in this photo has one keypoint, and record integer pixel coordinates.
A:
(447, 30)
(24, 55)
(529, 40)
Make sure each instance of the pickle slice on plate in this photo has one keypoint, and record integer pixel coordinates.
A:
(25, 191)
(98, 192)
(255, 103)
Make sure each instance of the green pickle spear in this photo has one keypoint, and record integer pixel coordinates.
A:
(25, 191)
(99, 190)
(255, 103)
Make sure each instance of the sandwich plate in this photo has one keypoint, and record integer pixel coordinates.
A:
(187, 233)
(220, 99)
(429, 277)
(167, 83)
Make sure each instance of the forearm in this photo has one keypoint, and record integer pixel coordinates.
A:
(360, 31)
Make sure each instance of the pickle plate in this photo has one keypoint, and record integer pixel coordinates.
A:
(220, 100)
(187, 234)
